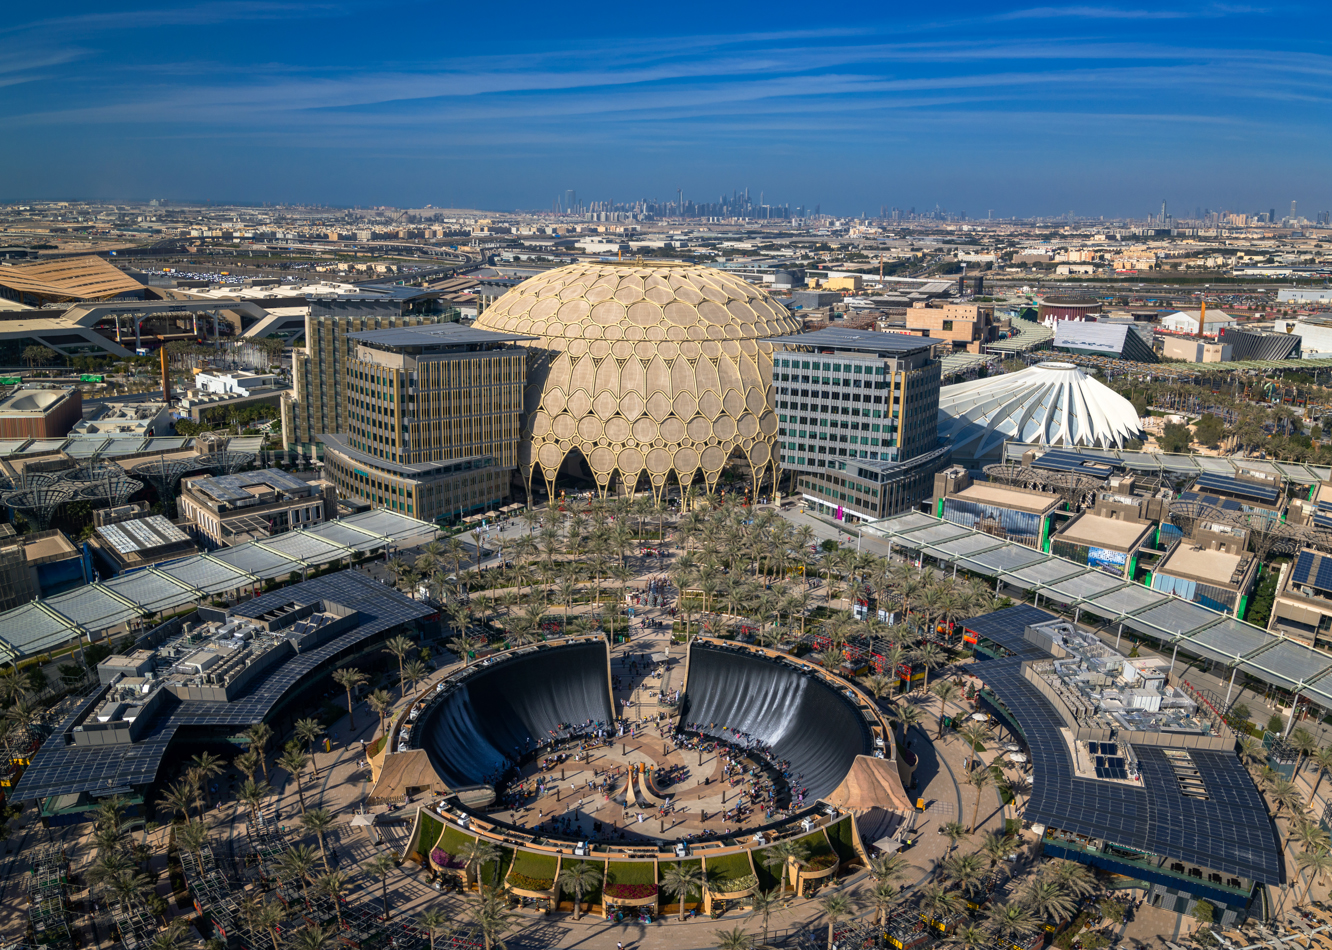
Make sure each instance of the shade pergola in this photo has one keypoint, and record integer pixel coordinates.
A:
(89, 610)
(1175, 623)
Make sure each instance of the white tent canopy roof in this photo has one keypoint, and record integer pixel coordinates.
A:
(1048, 404)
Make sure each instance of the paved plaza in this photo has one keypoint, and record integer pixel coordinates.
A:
(699, 792)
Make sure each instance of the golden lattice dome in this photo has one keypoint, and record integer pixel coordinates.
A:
(644, 368)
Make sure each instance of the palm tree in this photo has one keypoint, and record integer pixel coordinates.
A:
(765, 902)
(477, 854)
(335, 884)
(400, 647)
(1048, 899)
(969, 937)
(415, 671)
(267, 917)
(193, 837)
(975, 735)
(178, 798)
(308, 730)
(888, 867)
(883, 898)
(930, 656)
(247, 762)
(1075, 878)
(463, 645)
(311, 937)
(205, 765)
(1318, 863)
(319, 820)
(906, 715)
(979, 779)
(1011, 919)
(171, 937)
(683, 880)
(578, 879)
(733, 939)
(381, 702)
(1322, 757)
(295, 761)
(837, 906)
(937, 901)
(436, 921)
(954, 832)
(253, 795)
(381, 866)
(130, 887)
(783, 855)
(964, 870)
(947, 692)
(1251, 752)
(1304, 743)
(296, 863)
(348, 678)
(492, 917)
(997, 845)
(259, 734)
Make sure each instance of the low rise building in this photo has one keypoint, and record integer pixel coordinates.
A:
(55, 563)
(144, 419)
(1212, 567)
(225, 510)
(239, 382)
(40, 413)
(967, 326)
(1109, 535)
(1015, 514)
(1192, 350)
(128, 545)
(1303, 606)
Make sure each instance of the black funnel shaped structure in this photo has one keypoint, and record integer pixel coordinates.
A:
(793, 712)
(500, 713)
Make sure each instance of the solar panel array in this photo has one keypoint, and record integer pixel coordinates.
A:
(1007, 628)
(1229, 833)
(1238, 487)
(1312, 570)
(60, 769)
(1059, 460)
(1111, 766)
(1215, 501)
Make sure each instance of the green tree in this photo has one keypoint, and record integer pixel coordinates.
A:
(1175, 438)
(1209, 430)
(349, 678)
(381, 866)
(579, 879)
(683, 881)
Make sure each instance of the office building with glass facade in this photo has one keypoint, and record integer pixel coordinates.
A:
(857, 419)
(432, 421)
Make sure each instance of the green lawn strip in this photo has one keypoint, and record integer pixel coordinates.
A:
(430, 831)
(537, 867)
(454, 841)
(727, 867)
(820, 851)
(488, 870)
(630, 872)
(843, 839)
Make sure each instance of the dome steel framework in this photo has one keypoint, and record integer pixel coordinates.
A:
(645, 369)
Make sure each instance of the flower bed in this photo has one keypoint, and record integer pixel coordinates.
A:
(630, 892)
(821, 862)
(733, 885)
(442, 859)
(523, 882)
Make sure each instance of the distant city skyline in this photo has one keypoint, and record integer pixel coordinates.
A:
(1013, 108)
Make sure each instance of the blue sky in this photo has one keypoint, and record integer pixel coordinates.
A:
(1020, 108)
